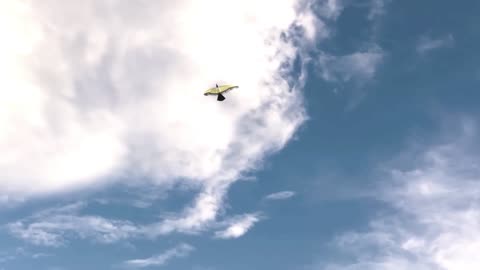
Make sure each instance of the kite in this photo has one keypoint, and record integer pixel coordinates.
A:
(219, 91)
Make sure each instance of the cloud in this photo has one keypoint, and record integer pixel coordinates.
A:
(181, 250)
(359, 66)
(426, 43)
(10, 201)
(434, 217)
(51, 232)
(57, 227)
(194, 219)
(355, 69)
(280, 195)
(52, 227)
(330, 9)
(96, 91)
(377, 8)
(100, 92)
(20, 253)
(41, 255)
(238, 226)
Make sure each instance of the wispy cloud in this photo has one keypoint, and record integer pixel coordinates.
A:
(9, 201)
(330, 9)
(427, 43)
(85, 73)
(56, 227)
(20, 253)
(359, 66)
(50, 227)
(377, 8)
(434, 222)
(194, 219)
(96, 87)
(181, 250)
(238, 226)
(41, 255)
(356, 69)
(136, 195)
(283, 195)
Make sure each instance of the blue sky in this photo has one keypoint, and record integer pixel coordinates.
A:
(350, 144)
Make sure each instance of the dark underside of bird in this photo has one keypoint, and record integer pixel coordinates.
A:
(220, 97)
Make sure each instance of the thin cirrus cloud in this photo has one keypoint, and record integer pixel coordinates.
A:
(282, 195)
(179, 251)
(112, 91)
(50, 227)
(434, 221)
(331, 9)
(377, 8)
(428, 43)
(21, 253)
(358, 66)
(58, 226)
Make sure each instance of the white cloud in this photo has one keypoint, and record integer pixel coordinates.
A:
(280, 195)
(94, 91)
(358, 66)
(435, 221)
(195, 219)
(357, 69)
(179, 251)
(56, 227)
(426, 43)
(377, 8)
(40, 255)
(9, 200)
(53, 227)
(238, 226)
(330, 9)
(20, 253)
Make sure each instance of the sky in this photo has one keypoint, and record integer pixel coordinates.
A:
(350, 144)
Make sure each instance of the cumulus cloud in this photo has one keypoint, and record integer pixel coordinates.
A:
(427, 43)
(238, 226)
(283, 195)
(434, 222)
(93, 92)
(181, 250)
